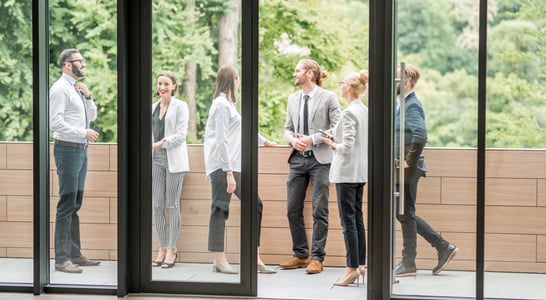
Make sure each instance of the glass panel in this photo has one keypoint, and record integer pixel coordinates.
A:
(16, 221)
(83, 128)
(334, 34)
(196, 139)
(515, 250)
(437, 41)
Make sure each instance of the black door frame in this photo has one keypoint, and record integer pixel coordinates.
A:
(134, 25)
(134, 155)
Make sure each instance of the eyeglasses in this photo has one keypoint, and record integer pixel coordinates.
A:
(82, 61)
(341, 83)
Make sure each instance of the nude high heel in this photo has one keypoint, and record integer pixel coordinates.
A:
(349, 278)
(362, 271)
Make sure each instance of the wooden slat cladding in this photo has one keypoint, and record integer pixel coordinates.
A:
(515, 207)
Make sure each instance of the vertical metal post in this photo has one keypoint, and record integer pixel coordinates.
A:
(401, 140)
(40, 119)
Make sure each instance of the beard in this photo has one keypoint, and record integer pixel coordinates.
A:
(77, 71)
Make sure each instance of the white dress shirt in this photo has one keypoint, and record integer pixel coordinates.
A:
(67, 113)
(222, 142)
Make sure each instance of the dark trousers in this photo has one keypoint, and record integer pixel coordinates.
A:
(411, 223)
(302, 170)
(349, 201)
(71, 166)
(219, 211)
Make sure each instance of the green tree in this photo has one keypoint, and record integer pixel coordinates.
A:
(15, 71)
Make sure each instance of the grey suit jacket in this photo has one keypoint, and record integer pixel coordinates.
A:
(323, 114)
(350, 162)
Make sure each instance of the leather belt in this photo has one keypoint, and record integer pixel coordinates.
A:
(307, 153)
(70, 144)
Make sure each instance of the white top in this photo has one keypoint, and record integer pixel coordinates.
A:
(222, 142)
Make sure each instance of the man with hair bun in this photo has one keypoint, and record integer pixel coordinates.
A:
(308, 111)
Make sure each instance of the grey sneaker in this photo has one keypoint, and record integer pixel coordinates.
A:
(67, 267)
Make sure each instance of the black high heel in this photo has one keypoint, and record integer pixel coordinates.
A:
(158, 263)
(166, 265)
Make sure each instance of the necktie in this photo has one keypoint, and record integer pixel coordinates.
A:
(84, 107)
(305, 115)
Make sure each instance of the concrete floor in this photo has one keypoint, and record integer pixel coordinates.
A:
(286, 284)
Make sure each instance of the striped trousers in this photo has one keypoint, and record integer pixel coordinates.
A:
(166, 190)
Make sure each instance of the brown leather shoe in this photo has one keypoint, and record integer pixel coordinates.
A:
(295, 262)
(83, 261)
(67, 267)
(314, 267)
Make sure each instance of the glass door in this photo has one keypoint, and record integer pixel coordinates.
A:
(194, 114)
(434, 149)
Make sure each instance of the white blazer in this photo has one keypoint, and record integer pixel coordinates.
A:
(350, 161)
(176, 129)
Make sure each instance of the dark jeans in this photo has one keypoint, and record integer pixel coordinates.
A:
(349, 201)
(302, 170)
(411, 223)
(219, 211)
(71, 169)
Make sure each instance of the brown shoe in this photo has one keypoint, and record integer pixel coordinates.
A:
(314, 267)
(295, 262)
(83, 261)
(67, 267)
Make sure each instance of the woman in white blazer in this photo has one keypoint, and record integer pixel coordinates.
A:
(349, 171)
(169, 165)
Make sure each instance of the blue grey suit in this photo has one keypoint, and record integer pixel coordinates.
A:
(415, 137)
(323, 114)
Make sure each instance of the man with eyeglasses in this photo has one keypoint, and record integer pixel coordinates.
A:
(71, 109)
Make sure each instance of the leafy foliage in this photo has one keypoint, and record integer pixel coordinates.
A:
(439, 36)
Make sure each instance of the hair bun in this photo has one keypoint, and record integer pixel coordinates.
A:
(363, 77)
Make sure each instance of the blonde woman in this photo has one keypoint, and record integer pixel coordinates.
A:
(349, 171)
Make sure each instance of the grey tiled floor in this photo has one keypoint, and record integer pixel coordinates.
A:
(286, 284)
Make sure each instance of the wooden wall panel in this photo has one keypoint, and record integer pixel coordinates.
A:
(458, 191)
(450, 162)
(511, 247)
(3, 156)
(511, 191)
(98, 157)
(515, 220)
(515, 198)
(16, 182)
(16, 235)
(506, 163)
(430, 190)
(541, 248)
(196, 158)
(113, 157)
(19, 209)
(541, 201)
(3, 209)
(19, 156)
